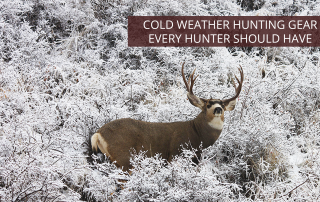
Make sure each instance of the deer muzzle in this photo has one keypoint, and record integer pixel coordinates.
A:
(217, 110)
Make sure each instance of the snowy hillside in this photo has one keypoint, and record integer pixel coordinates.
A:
(66, 70)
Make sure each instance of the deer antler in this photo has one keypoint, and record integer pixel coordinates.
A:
(194, 100)
(191, 79)
(237, 89)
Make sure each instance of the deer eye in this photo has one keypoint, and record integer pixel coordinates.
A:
(209, 105)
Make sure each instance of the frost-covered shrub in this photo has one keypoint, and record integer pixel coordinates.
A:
(25, 176)
(66, 69)
(152, 179)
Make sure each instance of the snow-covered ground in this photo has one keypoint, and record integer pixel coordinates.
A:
(66, 69)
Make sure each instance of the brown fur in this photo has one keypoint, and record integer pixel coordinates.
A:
(165, 138)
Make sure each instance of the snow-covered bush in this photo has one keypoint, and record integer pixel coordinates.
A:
(66, 69)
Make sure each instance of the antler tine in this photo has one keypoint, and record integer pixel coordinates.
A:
(184, 78)
(237, 89)
(237, 79)
(242, 77)
(190, 79)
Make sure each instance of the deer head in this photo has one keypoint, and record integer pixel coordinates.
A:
(213, 108)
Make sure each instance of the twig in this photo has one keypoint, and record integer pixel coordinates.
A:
(295, 188)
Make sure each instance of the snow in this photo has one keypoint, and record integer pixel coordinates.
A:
(66, 69)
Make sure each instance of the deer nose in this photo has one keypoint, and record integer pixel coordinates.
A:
(217, 110)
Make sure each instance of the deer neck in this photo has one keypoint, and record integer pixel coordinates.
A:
(207, 134)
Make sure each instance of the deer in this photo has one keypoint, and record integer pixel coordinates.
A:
(117, 138)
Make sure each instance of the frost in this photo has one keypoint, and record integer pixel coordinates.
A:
(66, 69)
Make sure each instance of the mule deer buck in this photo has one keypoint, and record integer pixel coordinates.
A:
(117, 138)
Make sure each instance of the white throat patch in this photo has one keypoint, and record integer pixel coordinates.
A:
(216, 123)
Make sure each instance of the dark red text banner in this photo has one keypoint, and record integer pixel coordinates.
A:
(248, 31)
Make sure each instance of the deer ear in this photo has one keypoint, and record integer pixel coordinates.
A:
(231, 105)
(194, 100)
